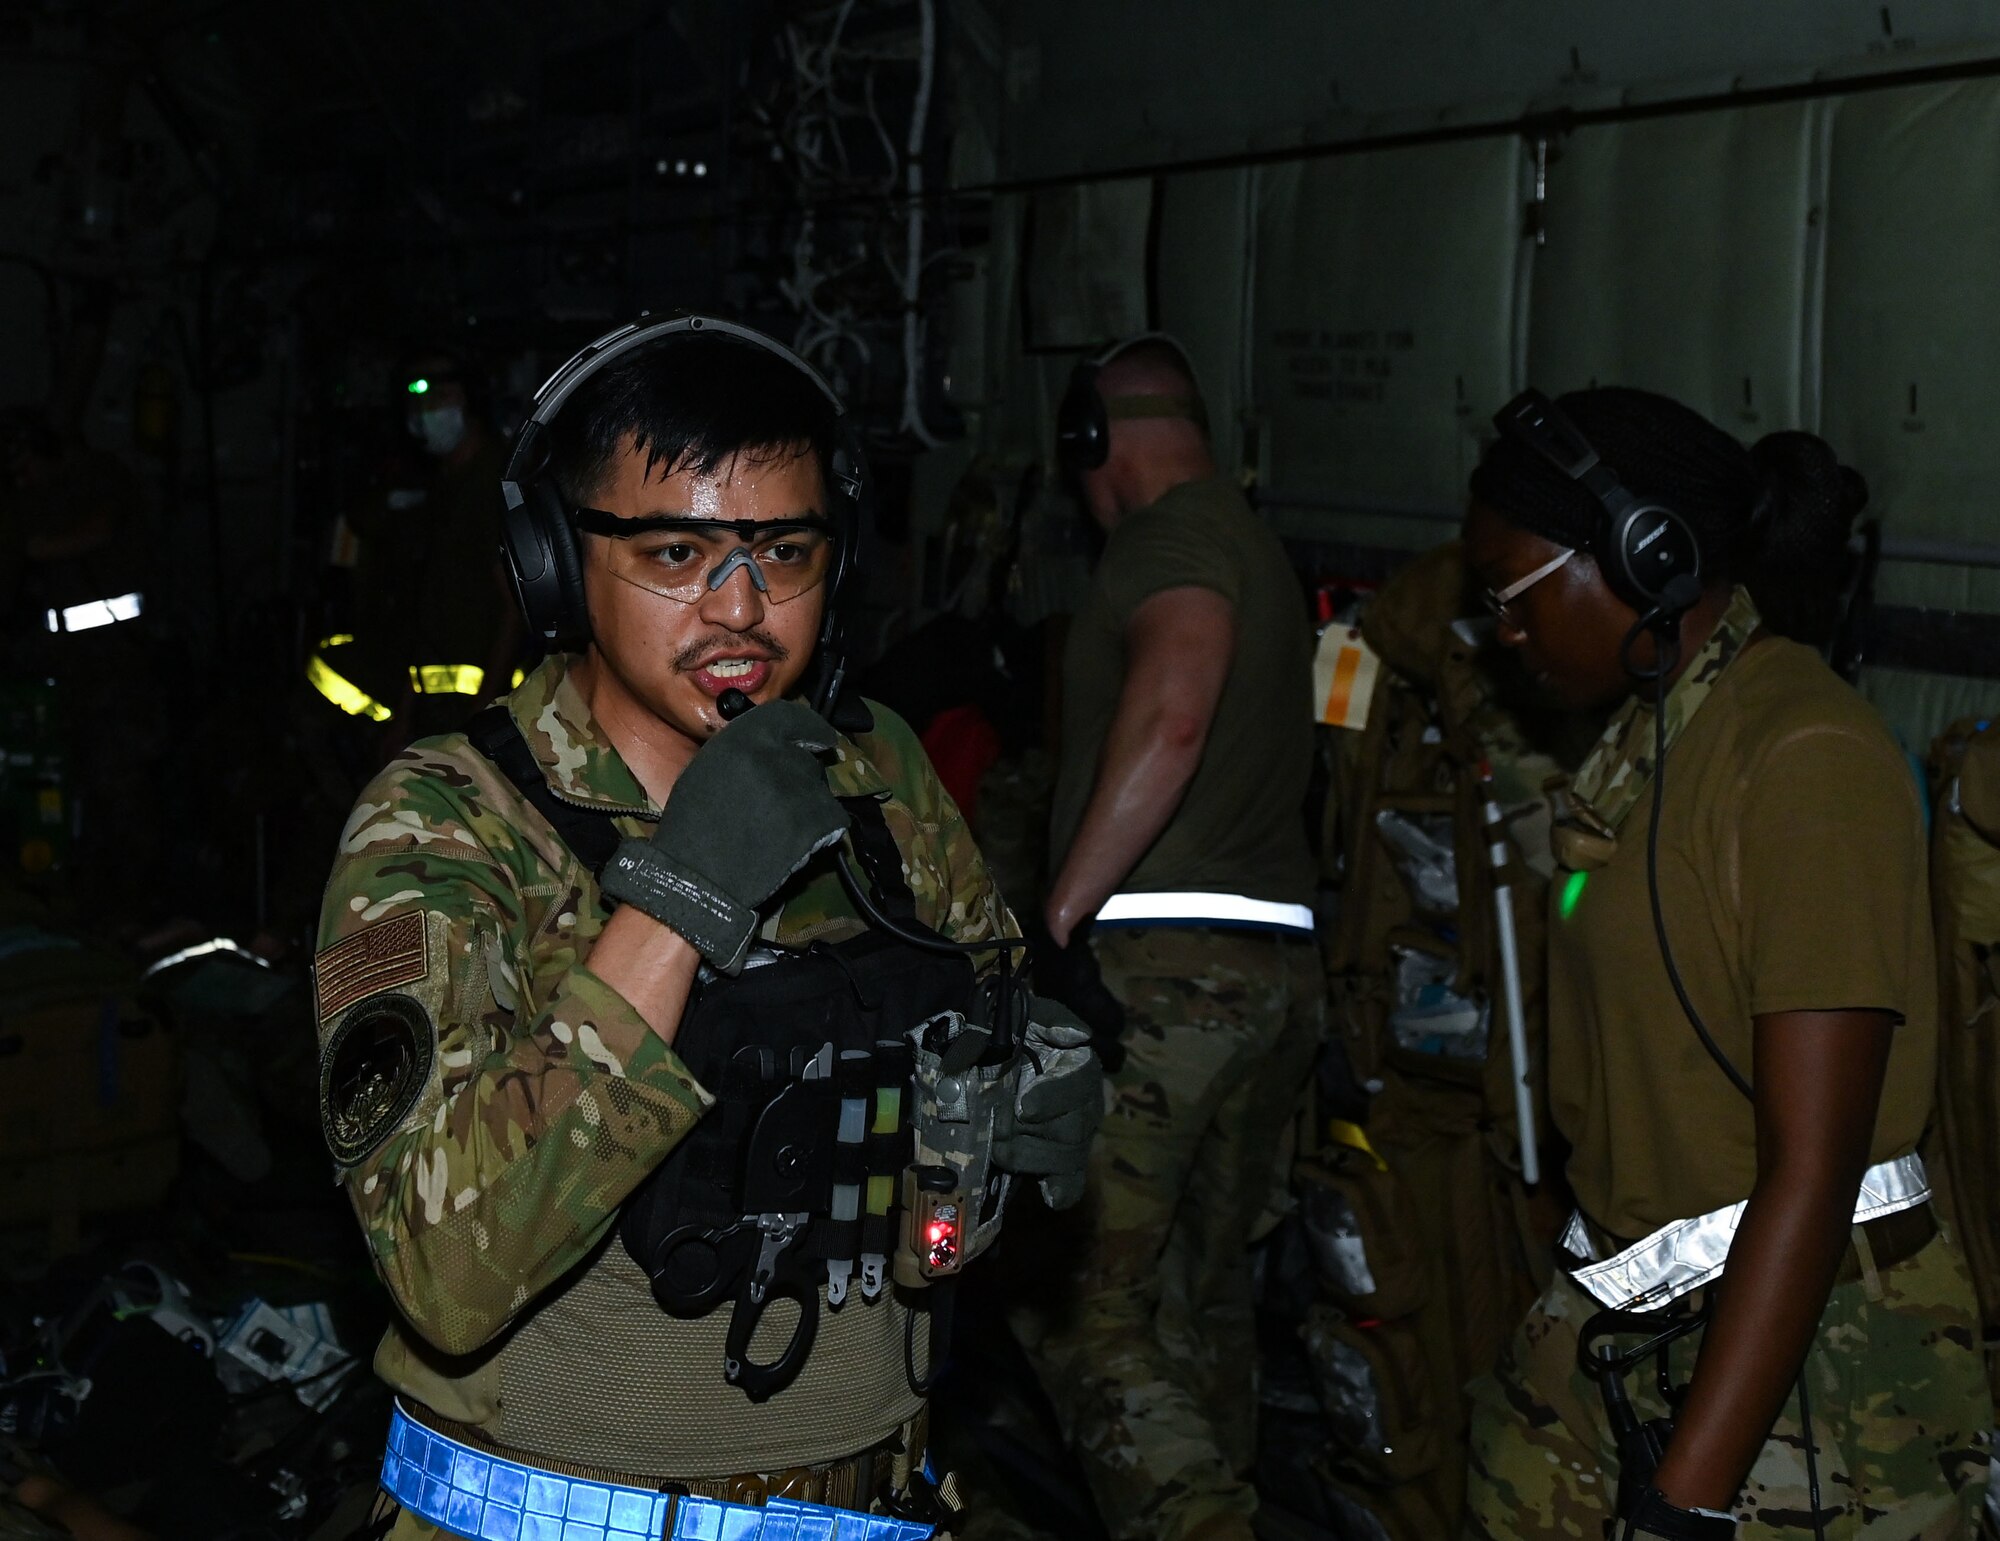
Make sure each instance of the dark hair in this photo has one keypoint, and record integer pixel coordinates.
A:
(1776, 517)
(691, 401)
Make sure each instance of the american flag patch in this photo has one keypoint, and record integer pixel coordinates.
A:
(381, 957)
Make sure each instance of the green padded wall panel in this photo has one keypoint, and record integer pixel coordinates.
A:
(1201, 264)
(1918, 707)
(1912, 393)
(1086, 263)
(1681, 258)
(1383, 324)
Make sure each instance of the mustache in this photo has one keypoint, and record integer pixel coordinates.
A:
(695, 654)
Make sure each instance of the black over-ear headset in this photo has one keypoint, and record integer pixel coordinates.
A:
(1083, 420)
(1646, 551)
(1648, 554)
(540, 543)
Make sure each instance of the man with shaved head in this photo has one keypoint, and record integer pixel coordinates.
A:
(1183, 871)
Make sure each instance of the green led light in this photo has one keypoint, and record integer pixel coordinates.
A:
(418, 387)
(1572, 893)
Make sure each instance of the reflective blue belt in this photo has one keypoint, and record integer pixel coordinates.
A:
(479, 1496)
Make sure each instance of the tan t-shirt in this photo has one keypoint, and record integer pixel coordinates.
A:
(1241, 827)
(1792, 874)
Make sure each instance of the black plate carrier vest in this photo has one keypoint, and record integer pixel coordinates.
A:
(793, 1179)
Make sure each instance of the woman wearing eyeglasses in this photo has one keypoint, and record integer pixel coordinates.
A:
(1743, 1076)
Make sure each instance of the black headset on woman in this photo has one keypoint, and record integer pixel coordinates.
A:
(1650, 558)
(538, 535)
(1647, 552)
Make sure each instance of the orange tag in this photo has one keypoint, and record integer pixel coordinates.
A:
(1344, 671)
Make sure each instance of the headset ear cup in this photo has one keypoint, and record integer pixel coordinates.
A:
(1083, 430)
(542, 561)
(571, 611)
(1650, 558)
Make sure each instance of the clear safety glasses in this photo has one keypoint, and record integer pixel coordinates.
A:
(685, 559)
(1497, 600)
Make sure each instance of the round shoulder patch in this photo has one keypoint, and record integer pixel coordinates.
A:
(373, 1068)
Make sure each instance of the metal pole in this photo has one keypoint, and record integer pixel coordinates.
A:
(1510, 978)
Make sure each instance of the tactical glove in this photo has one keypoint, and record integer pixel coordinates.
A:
(1070, 975)
(751, 808)
(1044, 1130)
(1654, 1519)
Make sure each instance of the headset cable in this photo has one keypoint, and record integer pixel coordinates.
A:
(1666, 659)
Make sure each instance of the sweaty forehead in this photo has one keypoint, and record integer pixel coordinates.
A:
(749, 484)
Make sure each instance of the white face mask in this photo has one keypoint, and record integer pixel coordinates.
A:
(441, 428)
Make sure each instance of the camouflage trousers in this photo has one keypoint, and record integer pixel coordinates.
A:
(1150, 1364)
(1900, 1419)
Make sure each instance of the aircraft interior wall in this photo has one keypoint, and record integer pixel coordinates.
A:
(1819, 262)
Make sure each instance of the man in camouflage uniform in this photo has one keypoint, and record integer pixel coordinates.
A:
(1178, 829)
(498, 1046)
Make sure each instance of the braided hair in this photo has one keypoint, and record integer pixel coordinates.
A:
(1775, 517)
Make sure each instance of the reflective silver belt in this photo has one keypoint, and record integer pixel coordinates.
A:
(1687, 1254)
(1236, 911)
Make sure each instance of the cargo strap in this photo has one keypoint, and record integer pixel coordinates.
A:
(447, 679)
(1687, 1254)
(874, 846)
(483, 1497)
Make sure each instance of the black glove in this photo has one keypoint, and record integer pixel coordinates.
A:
(1070, 975)
(1044, 1129)
(751, 808)
(1654, 1519)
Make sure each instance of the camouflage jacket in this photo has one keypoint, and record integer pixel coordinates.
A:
(1619, 769)
(489, 1100)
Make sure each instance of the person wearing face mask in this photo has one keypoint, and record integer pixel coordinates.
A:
(673, 1052)
(435, 626)
(1758, 1329)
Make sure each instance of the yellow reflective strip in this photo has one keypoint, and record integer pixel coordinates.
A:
(1356, 1138)
(447, 679)
(881, 1195)
(519, 675)
(343, 692)
(338, 639)
(888, 1109)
